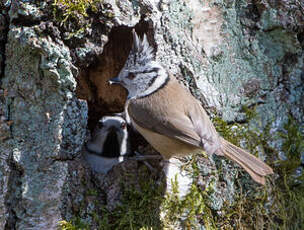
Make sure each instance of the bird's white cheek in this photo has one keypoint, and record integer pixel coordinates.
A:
(123, 139)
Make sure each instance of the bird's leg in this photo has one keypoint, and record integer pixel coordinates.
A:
(144, 158)
(146, 163)
(141, 157)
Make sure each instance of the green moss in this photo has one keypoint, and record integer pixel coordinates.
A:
(189, 211)
(75, 224)
(92, 192)
(139, 208)
(289, 188)
(76, 9)
(77, 16)
(281, 206)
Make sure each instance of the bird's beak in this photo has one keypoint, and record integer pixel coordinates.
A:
(114, 80)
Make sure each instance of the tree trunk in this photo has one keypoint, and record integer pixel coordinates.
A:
(242, 59)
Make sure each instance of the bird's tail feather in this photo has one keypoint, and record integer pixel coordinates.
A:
(256, 168)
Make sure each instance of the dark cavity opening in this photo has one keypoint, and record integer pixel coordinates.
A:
(93, 86)
(111, 146)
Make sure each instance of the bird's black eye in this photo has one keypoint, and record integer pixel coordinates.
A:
(131, 76)
(123, 125)
(100, 124)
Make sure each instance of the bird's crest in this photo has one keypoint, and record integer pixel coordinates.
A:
(141, 52)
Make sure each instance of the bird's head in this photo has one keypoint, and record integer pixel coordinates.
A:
(109, 137)
(141, 75)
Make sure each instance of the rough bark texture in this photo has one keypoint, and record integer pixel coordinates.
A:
(54, 66)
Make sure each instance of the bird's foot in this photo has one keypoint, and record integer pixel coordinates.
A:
(140, 157)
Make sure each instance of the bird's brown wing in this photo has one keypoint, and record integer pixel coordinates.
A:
(174, 112)
(177, 127)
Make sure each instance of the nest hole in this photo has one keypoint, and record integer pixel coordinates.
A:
(104, 99)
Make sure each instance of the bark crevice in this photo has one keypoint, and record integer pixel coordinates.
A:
(13, 196)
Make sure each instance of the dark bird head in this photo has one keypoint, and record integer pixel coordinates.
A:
(110, 137)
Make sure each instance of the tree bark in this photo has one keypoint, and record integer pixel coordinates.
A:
(54, 69)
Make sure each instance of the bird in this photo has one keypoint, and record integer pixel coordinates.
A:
(109, 144)
(169, 117)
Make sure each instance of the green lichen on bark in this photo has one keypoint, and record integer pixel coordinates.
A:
(261, 50)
